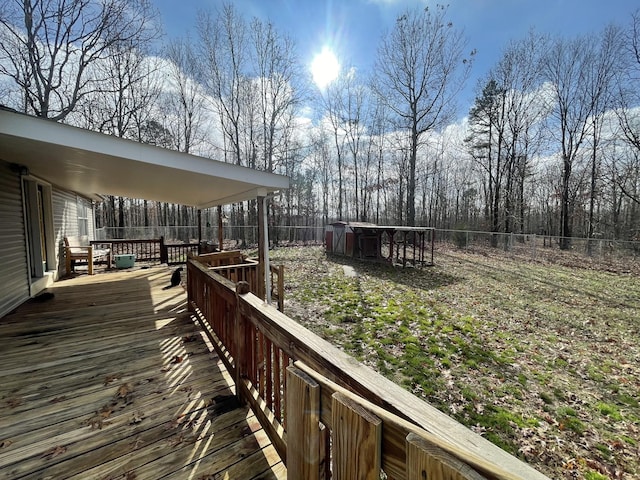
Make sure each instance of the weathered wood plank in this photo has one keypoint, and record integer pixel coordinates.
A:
(64, 361)
(356, 441)
(303, 430)
(425, 460)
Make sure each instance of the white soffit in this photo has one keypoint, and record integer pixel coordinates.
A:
(94, 164)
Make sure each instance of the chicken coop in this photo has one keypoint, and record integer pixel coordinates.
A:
(395, 245)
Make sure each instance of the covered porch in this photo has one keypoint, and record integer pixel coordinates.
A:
(112, 379)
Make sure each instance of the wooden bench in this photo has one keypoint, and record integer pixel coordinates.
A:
(78, 248)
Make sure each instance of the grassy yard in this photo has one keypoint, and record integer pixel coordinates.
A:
(543, 360)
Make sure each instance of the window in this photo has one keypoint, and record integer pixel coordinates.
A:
(83, 217)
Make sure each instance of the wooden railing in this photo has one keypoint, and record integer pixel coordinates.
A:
(151, 250)
(235, 266)
(321, 407)
(277, 285)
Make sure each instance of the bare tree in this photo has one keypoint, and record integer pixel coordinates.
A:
(277, 70)
(50, 47)
(565, 67)
(185, 100)
(223, 53)
(419, 69)
(505, 125)
(600, 94)
(332, 107)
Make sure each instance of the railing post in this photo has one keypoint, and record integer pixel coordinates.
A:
(281, 288)
(303, 427)
(425, 460)
(239, 353)
(355, 430)
(164, 254)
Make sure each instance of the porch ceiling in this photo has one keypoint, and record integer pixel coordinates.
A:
(94, 164)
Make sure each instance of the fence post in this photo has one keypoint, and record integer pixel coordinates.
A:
(533, 246)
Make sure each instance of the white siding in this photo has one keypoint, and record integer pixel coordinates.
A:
(14, 269)
(65, 219)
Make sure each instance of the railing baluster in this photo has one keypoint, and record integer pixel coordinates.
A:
(303, 430)
(269, 373)
(261, 364)
(425, 460)
(357, 440)
(277, 384)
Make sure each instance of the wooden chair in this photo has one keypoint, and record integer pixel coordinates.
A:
(78, 248)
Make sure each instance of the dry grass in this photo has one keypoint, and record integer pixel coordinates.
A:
(542, 359)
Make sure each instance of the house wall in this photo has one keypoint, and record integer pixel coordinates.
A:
(14, 269)
(67, 207)
(67, 214)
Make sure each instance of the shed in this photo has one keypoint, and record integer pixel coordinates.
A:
(382, 243)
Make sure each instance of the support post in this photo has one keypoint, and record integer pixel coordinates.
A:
(264, 287)
(199, 232)
(220, 229)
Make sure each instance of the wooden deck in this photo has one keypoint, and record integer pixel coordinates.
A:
(111, 379)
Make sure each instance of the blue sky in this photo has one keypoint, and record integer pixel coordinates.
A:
(353, 27)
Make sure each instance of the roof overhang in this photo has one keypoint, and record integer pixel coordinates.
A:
(94, 164)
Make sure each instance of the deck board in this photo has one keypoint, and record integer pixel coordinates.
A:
(112, 379)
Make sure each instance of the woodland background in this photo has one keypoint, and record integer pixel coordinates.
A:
(551, 144)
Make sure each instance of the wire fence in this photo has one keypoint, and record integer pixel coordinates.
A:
(241, 236)
(527, 246)
(544, 247)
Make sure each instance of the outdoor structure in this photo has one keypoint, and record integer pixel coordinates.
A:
(51, 174)
(389, 244)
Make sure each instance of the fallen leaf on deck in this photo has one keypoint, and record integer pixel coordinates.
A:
(13, 402)
(105, 411)
(96, 422)
(175, 423)
(111, 378)
(175, 441)
(190, 338)
(137, 417)
(130, 475)
(124, 390)
(5, 443)
(136, 444)
(176, 359)
(54, 452)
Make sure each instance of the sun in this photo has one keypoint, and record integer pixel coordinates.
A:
(325, 68)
